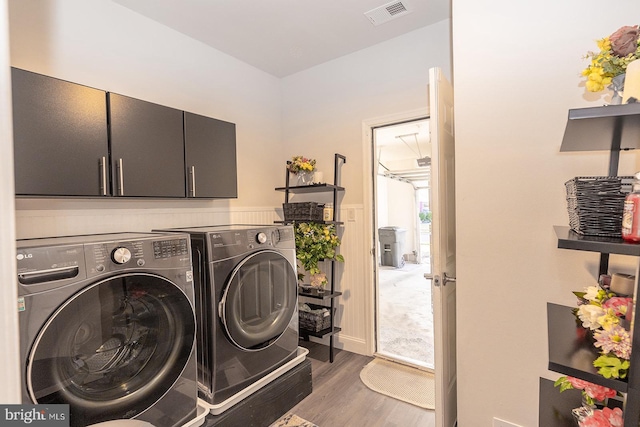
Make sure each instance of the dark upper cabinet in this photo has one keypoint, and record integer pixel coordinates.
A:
(73, 140)
(60, 137)
(147, 148)
(210, 151)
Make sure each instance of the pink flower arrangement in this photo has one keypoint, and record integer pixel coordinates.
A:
(592, 392)
(603, 313)
(619, 305)
(614, 340)
(605, 417)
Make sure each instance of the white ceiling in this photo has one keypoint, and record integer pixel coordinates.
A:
(282, 37)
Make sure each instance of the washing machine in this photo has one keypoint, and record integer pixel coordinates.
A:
(246, 308)
(107, 325)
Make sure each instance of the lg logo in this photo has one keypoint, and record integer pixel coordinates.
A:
(20, 257)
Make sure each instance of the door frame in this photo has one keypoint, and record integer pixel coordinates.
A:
(369, 243)
(10, 363)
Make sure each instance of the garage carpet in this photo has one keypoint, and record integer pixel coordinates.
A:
(401, 382)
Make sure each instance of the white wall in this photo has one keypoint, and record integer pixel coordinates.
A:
(516, 73)
(399, 209)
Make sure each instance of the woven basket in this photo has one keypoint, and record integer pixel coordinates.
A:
(315, 321)
(304, 211)
(595, 204)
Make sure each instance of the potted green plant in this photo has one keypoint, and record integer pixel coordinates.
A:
(316, 242)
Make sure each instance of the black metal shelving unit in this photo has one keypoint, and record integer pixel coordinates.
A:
(330, 295)
(613, 128)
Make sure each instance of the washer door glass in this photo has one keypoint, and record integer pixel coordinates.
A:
(114, 349)
(259, 300)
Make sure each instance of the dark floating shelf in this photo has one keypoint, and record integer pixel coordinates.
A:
(320, 334)
(569, 239)
(293, 221)
(313, 293)
(555, 407)
(595, 128)
(313, 188)
(571, 352)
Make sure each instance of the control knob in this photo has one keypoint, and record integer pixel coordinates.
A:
(261, 238)
(121, 255)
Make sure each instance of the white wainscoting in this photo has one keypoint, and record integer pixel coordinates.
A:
(352, 313)
(44, 223)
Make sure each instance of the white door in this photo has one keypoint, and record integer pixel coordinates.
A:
(443, 284)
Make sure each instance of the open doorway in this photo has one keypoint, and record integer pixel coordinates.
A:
(404, 315)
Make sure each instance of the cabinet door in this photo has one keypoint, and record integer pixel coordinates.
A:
(147, 148)
(60, 137)
(210, 149)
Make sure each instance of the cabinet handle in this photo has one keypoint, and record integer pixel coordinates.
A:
(192, 180)
(120, 178)
(103, 176)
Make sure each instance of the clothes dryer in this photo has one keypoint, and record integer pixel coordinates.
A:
(246, 308)
(107, 325)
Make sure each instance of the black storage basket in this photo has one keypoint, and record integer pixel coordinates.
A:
(315, 322)
(595, 204)
(304, 211)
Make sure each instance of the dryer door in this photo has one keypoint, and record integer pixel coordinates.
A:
(114, 349)
(259, 300)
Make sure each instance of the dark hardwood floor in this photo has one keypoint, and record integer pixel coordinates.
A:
(340, 399)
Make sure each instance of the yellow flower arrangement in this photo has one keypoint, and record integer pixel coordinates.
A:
(301, 164)
(616, 52)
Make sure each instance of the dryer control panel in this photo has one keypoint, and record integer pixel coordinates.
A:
(229, 243)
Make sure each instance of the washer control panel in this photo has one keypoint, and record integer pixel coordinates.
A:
(115, 256)
(170, 248)
(71, 259)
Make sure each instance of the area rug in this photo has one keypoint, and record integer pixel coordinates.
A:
(292, 420)
(401, 382)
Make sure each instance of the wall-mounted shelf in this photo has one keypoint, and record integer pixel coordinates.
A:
(569, 239)
(313, 188)
(610, 127)
(318, 222)
(330, 332)
(314, 293)
(571, 351)
(555, 407)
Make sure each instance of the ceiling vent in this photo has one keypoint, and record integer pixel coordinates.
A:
(387, 12)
